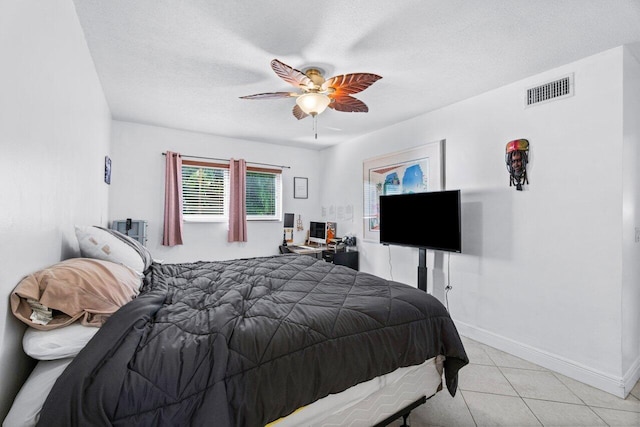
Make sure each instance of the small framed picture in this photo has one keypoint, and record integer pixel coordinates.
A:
(300, 187)
(107, 169)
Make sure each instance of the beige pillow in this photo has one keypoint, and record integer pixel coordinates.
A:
(84, 288)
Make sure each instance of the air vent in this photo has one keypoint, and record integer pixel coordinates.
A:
(551, 91)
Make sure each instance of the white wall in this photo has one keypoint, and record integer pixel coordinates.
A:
(54, 134)
(137, 189)
(541, 271)
(630, 221)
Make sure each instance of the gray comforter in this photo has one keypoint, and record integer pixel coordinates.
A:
(244, 342)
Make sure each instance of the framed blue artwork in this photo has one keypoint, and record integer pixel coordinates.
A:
(415, 170)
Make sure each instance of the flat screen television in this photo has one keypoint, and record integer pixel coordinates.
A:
(318, 232)
(429, 220)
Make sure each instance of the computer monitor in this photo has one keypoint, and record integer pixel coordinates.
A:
(318, 232)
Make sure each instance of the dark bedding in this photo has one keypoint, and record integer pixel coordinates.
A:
(244, 342)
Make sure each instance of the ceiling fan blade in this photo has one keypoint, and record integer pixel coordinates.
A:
(269, 95)
(289, 74)
(348, 104)
(346, 84)
(298, 113)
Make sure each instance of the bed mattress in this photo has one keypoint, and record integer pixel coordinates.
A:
(362, 405)
(371, 402)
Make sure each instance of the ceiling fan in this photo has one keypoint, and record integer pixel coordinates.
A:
(317, 93)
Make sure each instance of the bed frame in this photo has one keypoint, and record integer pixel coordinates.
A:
(404, 413)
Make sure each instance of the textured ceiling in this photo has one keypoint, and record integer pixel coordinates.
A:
(185, 64)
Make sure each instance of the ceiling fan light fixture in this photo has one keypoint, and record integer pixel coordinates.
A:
(313, 103)
(319, 92)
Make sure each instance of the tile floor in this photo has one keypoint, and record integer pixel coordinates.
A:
(498, 389)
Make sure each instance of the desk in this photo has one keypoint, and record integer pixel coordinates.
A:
(346, 258)
(314, 252)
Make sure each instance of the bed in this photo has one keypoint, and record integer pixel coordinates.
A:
(280, 340)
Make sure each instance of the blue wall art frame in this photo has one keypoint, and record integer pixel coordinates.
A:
(415, 170)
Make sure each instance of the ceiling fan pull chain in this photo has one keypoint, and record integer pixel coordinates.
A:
(315, 125)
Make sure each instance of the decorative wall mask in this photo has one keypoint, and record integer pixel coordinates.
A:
(517, 157)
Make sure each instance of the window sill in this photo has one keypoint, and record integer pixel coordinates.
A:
(225, 220)
(204, 219)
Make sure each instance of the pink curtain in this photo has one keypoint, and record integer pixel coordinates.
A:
(172, 200)
(237, 209)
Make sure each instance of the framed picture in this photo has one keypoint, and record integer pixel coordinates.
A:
(107, 169)
(300, 187)
(411, 171)
(288, 220)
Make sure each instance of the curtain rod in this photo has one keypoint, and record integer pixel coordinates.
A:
(226, 160)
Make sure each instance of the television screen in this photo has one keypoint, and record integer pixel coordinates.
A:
(424, 220)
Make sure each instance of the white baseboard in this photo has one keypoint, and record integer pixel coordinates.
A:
(618, 386)
(632, 376)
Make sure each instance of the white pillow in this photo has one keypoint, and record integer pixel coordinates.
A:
(111, 245)
(57, 343)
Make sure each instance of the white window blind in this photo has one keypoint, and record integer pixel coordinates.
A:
(263, 194)
(205, 191)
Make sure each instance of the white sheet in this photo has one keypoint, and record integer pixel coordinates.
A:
(26, 407)
(370, 402)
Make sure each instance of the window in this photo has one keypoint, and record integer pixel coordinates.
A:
(205, 192)
(263, 194)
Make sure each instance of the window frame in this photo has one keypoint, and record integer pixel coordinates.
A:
(277, 216)
(277, 173)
